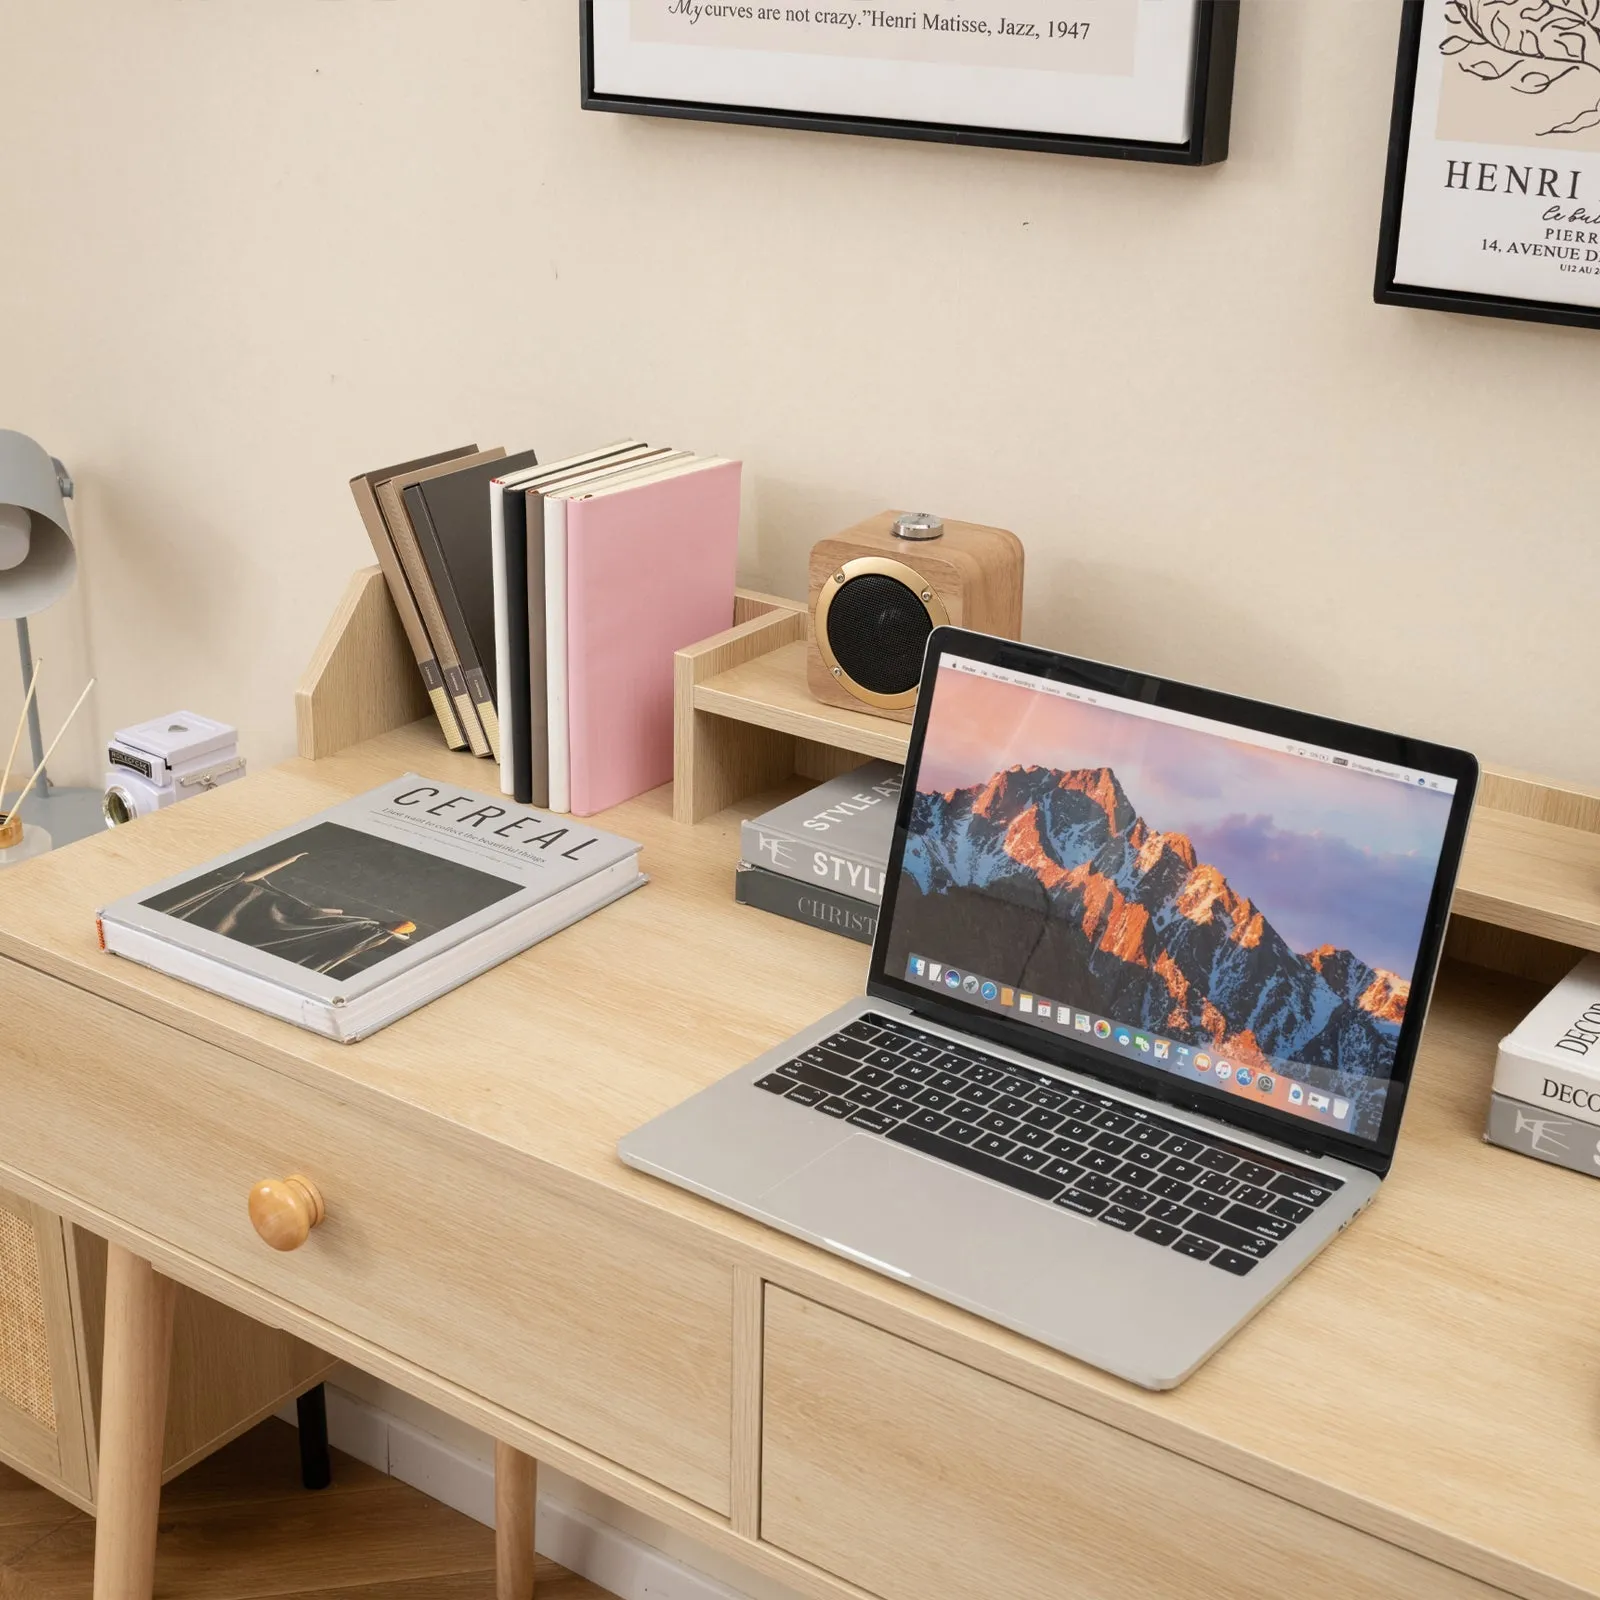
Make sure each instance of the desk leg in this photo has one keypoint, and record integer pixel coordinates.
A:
(133, 1416)
(516, 1494)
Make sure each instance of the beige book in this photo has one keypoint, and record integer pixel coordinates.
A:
(364, 488)
(391, 502)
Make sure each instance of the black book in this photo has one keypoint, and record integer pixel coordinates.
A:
(529, 781)
(450, 516)
(806, 902)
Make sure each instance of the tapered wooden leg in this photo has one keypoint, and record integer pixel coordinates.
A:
(516, 1493)
(133, 1420)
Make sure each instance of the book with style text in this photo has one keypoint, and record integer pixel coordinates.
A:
(837, 835)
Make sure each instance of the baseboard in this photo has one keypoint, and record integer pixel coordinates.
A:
(610, 1557)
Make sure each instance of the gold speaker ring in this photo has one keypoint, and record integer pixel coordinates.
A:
(921, 591)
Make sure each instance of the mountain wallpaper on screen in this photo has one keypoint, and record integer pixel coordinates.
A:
(1121, 919)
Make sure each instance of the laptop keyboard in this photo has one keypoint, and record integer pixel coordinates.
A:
(1165, 1182)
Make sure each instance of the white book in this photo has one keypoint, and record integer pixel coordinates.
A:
(356, 916)
(511, 730)
(555, 652)
(1552, 1057)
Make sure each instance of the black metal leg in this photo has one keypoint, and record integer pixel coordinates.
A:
(316, 1469)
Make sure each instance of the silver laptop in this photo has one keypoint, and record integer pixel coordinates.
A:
(1148, 981)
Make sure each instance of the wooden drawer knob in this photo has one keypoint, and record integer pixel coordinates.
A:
(285, 1210)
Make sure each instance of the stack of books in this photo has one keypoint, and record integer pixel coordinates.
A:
(1546, 1100)
(820, 858)
(544, 604)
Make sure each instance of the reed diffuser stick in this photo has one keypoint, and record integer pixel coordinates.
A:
(28, 786)
(22, 722)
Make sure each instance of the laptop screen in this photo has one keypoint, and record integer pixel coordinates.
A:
(1237, 909)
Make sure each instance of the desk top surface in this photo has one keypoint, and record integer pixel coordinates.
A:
(1433, 1377)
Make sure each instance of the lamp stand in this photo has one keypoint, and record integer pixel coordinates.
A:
(35, 736)
(65, 814)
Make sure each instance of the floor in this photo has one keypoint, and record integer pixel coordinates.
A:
(240, 1527)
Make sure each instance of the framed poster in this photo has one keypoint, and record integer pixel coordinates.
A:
(1143, 80)
(1492, 203)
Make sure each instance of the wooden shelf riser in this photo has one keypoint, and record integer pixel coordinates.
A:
(1528, 900)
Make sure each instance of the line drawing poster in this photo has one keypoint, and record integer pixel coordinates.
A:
(1502, 188)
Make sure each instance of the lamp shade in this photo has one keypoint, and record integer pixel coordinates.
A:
(37, 557)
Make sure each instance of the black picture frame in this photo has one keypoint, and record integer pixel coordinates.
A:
(1211, 107)
(1390, 292)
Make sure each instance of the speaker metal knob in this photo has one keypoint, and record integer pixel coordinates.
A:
(918, 526)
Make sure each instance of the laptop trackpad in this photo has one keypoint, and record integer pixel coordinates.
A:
(1045, 1271)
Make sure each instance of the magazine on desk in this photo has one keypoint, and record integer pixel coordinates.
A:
(356, 916)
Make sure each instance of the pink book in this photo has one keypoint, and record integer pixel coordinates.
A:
(650, 569)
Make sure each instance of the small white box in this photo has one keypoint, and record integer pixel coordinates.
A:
(158, 763)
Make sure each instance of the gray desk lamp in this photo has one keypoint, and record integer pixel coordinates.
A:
(38, 562)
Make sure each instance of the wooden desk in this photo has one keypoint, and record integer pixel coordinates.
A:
(1418, 1414)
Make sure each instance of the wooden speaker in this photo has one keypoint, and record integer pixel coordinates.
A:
(880, 588)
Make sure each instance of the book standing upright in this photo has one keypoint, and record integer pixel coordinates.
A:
(519, 624)
(650, 568)
(391, 501)
(364, 488)
(557, 656)
(449, 515)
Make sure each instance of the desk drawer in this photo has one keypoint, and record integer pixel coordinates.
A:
(912, 1475)
(612, 1338)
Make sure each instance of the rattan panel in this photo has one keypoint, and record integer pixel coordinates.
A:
(24, 1344)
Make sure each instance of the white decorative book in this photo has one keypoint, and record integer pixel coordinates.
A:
(1552, 1058)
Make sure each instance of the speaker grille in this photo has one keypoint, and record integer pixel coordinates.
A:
(877, 630)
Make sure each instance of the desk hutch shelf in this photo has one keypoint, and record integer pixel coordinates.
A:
(1527, 900)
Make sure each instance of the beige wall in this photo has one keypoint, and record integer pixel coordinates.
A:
(251, 249)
